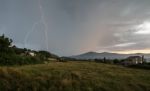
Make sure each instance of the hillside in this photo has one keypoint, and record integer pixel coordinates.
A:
(12, 55)
(94, 55)
(73, 76)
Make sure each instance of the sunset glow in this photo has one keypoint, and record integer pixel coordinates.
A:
(133, 51)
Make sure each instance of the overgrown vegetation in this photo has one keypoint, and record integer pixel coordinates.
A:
(11, 55)
(73, 76)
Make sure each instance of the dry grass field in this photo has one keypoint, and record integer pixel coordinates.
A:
(73, 76)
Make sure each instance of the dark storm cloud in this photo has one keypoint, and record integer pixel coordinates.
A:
(76, 26)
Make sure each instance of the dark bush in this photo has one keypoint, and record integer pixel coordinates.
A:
(141, 66)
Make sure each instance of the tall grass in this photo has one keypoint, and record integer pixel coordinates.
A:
(73, 76)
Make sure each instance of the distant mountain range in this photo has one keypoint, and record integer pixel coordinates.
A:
(107, 55)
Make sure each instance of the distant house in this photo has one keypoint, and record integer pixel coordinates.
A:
(28, 53)
(32, 54)
(133, 60)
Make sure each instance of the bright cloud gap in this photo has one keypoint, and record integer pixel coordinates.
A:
(143, 28)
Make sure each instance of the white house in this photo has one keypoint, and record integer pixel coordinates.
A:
(133, 60)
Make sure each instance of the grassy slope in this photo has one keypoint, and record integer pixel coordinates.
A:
(73, 76)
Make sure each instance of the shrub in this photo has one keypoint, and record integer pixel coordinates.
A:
(13, 59)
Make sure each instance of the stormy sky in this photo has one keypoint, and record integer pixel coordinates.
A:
(70, 27)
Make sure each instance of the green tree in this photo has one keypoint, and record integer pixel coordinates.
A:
(5, 42)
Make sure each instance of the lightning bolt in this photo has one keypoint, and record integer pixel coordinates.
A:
(45, 24)
(28, 34)
(42, 21)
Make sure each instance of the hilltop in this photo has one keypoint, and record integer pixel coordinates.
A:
(95, 55)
